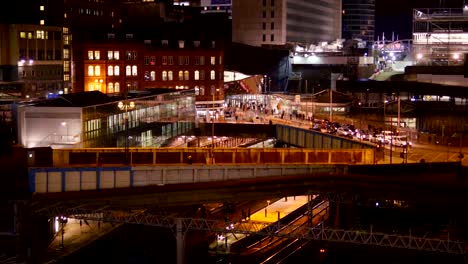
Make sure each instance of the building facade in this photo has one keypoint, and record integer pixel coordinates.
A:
(121, 67)
(35, 60)
(359, 20)
(277, 22)
(440, 36)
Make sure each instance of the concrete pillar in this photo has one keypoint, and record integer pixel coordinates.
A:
(180, 240)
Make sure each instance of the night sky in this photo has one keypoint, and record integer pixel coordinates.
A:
(396, 15)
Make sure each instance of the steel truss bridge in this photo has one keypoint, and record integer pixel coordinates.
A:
(180, 225)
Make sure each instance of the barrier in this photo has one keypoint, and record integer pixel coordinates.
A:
(53, 180)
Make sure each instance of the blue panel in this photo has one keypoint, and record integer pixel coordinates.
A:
(131, 178)
(32, 180)
(63, 182)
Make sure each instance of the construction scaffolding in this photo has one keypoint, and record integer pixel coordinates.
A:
(440, 36)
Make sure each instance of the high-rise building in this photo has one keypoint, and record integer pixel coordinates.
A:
(359, 19)
(277, 22)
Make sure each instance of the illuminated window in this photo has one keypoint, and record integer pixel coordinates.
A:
(181, 75)
(170, 75)
(97, 70)
(66, 66)
(90, 55)
(90, 86)
(110, 70)
(152, 60)
(164, 60)
(40, 34)
(213, 60)
(42, 22)
(41, 8)
(22, 34)
(30, 35)
(97, 55)
(110, 55)
(212, 75)
(134, 70)
(220, 60)
(164, 75)
(153, 76)
(128, 71)
(66, 53)
(116, 55)
(202, 60)
(66, 39)
(117, 70)
(186, 75)
(110, 88)
(117, 87)
(66, 77)
(197, 75)
(90, 70)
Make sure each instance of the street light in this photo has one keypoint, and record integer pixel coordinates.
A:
(64, 124)
(126, 106)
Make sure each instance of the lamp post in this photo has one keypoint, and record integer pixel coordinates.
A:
(126, 106)
(64, 124)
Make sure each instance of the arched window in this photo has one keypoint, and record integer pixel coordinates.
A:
(134, 70)
(164, 75)
(110, 70)
(186, 75)
(196, 76)
(90, 71)
(128, 70)
(170, 76)
(153, 76)
(197, 90)
(181, 75)
(97, 70)
(117, 70)
(117, 87)
(212, 75)
(110, 87)
(202, 90)
(90, 86)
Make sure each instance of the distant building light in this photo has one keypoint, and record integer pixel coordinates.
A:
(456, 56)
(42, 22)
(30, 62)
(419, 56)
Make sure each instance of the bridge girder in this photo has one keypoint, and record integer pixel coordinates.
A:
(265, 229)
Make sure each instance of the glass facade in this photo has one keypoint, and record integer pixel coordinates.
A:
(150, 123)
(359, 19)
